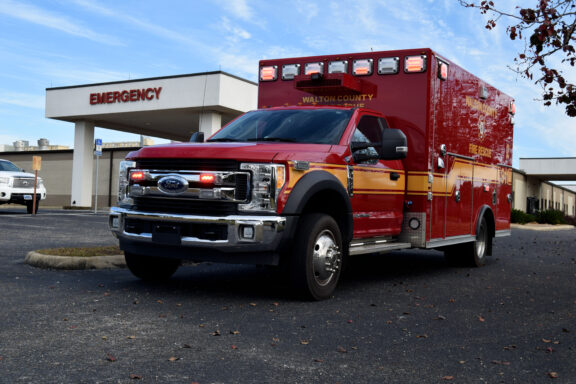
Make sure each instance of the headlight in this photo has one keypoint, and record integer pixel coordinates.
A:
(267, 181)
(40, 183)
(123, 181)
(6, 181)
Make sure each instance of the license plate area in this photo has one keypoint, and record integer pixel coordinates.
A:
(166, 234)
(27, 197)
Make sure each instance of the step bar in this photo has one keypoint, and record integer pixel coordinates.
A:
(364, 246)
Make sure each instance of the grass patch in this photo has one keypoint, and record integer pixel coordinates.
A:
(83, 251)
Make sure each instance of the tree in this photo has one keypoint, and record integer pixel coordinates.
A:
(548, 33)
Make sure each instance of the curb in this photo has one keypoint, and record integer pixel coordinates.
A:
(40, 260)
(542, 227)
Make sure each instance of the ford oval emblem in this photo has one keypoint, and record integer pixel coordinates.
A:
(173, 185)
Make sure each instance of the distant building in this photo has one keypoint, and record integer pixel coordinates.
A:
(24, 146)
(144, 142)
(44, 145)
(6, 148)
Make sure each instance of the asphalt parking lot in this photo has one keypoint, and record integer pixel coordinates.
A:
(403, 317)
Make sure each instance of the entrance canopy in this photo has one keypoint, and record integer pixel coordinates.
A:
(560, 168)
(167, 107)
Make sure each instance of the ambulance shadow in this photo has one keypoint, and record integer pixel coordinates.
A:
(366, 269)
(212, 280)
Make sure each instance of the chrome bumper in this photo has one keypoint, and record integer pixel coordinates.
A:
(266, 230)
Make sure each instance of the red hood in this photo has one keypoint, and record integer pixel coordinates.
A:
(256, 152)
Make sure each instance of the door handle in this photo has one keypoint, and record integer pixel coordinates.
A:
(394, 175)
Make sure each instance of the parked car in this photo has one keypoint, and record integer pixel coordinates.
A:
(17, 186)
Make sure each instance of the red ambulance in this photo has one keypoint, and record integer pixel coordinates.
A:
(346, 155)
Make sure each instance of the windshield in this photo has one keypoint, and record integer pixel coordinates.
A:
(8, 166)
(311, 126)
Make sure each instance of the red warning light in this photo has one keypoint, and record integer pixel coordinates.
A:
(137, 175)
(207, 178)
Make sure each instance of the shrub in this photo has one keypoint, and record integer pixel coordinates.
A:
(519, 217)
(570, 220)
(550, 217)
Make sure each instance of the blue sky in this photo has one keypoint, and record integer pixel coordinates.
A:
(54, 43)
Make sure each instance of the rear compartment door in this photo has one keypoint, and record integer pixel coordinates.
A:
(453, 172)
(459, 195)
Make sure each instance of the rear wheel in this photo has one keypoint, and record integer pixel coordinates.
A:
(151, 268)
(471, 254)
(317, 257)
(476, 252)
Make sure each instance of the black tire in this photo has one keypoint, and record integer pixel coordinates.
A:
(30, 206)
(317, 257)
(471, 254)
(151, 268)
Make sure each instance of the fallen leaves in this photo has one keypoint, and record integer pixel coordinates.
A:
(499, 362)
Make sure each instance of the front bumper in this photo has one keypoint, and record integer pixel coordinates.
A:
(20, 195)
(232, 238)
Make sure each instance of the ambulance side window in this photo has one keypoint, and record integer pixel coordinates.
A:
(369, 131)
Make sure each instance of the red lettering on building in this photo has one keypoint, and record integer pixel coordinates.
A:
(125, 96)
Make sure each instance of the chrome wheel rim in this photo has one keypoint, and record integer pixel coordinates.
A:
(326, 258)
(481, 242)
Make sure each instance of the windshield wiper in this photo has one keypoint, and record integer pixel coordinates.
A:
(278, 139)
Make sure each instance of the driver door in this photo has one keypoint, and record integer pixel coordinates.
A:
(378, 185)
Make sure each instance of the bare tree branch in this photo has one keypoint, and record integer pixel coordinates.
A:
(548, 32)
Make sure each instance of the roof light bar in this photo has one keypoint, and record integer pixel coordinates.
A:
(442, 70)
(289, 71)
(484, 92)
(512, 108)
(388, 65)
(269, 73)
(311, 68)
(415, 64)
(340, 66)
(362, 67)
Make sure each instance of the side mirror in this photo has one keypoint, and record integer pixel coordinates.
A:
(363, 151)
(358, 145)
(394, 145)
(197, 137)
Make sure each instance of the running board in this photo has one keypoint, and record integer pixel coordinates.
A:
(363, 246)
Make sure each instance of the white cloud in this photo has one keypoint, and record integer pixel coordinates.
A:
(145, 25)
(235, 33)
(72, 75)
(239, 8)
(22, 99)
(52, 20)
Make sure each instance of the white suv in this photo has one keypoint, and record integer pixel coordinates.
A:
(17, 186)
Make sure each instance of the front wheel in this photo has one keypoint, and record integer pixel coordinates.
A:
(317, 257)
(151, 268)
